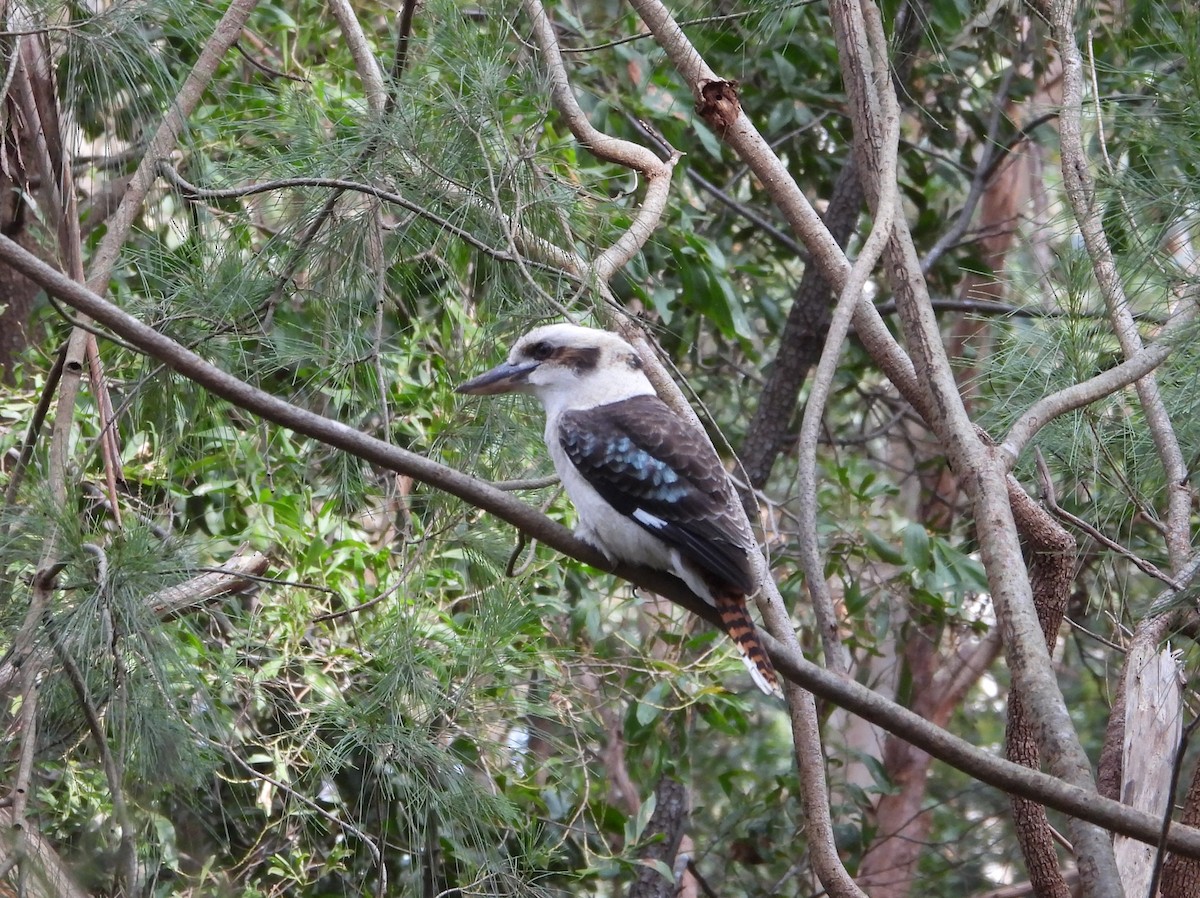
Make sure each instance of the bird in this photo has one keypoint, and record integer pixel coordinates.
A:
(647, 485)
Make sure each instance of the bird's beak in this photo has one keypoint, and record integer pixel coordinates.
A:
(505, 378)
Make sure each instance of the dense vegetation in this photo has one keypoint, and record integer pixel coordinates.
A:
(250, 656)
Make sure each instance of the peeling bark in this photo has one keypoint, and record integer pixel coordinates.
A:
(1051, 571)
(1181, 875)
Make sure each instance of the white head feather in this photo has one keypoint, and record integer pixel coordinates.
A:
(567, 367)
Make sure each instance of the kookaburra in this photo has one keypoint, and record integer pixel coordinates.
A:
(647, 485)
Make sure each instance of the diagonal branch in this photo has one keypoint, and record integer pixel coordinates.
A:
(1081, 803)
(369, 70)
(164, 140)
(1081, 394)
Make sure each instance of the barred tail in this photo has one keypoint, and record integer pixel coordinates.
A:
(735, 618)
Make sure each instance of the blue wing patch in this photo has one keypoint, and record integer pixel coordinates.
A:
(655, 468)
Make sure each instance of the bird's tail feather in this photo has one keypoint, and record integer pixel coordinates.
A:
(737, 623)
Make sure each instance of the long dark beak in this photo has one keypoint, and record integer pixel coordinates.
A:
(503, 378)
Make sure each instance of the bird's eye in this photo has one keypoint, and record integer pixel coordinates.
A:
(541, 351)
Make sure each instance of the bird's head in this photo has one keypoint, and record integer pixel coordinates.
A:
(566, 367)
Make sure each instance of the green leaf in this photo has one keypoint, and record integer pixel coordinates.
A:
(662, 869)
(883, 548)
(916, 547)
(635, 827)
(650, 706)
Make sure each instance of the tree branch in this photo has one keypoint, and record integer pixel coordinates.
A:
(1081, 193)
(836, 657)
(610, 149)
(977, 467)
(191, 191)
(1078, 395)
(790, 662)
(367, 66)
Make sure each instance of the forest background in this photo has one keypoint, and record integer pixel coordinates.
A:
(284, 615)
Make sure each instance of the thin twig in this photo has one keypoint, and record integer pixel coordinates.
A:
(688, 23)
(982, 171)
(533, 483)
(755, 218)
(339, 185)
(87, 327)
(266, 69)
(403, 37)
(1146, 567)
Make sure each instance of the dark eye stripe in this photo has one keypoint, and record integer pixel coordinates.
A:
(581, 358)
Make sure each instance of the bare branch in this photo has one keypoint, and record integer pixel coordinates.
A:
(836, 657)
(1080, 189)
(604, 146)
(39, 101)
(740, 133)
(365, 62)
(611, 149)
(1078, 395)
